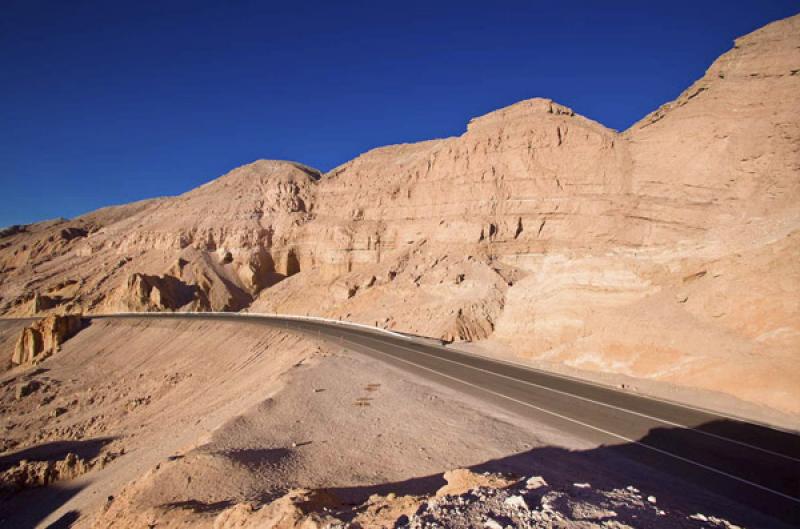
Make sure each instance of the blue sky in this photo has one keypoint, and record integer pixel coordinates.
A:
(108, 102)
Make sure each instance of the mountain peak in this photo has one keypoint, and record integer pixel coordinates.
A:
(528, 108)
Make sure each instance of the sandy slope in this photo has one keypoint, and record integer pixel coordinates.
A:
(192, 422)
(148, 389)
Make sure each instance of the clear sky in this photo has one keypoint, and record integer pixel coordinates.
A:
(108, 102)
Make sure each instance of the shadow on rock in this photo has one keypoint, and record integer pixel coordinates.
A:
(56, 450)
(29, 506)
(66, 521)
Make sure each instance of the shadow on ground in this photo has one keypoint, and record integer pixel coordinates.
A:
(679, 485)
(54, 451)
(28, 507)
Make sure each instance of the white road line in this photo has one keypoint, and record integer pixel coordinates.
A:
(564, 417)
(311, 319)
(608, 387)
(518, 365)
(350, 324)
(664, 421)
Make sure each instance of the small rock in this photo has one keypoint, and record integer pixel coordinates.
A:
(131, 405)
(492, 524)
(516, 502)
(582, 485)
(58, 411)
(535, 482)
(699, 517)
(651, 499)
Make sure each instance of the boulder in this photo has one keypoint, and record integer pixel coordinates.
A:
(462, 480)
(45, 337)
(152, 293)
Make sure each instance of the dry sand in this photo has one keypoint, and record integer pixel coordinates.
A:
(192, 422)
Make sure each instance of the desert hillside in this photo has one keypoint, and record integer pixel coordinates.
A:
(164, 423)
(668, 251)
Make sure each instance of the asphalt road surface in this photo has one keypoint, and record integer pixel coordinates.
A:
(748, 463)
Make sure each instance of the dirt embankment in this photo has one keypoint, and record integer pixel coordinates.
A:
(141, 422)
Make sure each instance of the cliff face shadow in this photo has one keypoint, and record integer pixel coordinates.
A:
(255, 458)
(199, 506)
(785, 442)
(684, 469)
(54, 451)
(66, 521)
(673, 464)
(29, 506)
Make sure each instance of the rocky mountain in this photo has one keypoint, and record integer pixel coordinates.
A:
(212, 248)
(668, 251)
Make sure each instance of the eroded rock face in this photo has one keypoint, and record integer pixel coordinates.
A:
(29, 345)
(45, 337)
(28, 474)
(146, 293)
(588, 238)
(227, 240)
(536, 230)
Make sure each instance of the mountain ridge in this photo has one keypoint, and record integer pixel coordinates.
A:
(536, 231)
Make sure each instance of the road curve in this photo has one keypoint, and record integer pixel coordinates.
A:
(746, 462)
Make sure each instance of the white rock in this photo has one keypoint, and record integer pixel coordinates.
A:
(582, 485)
(699, 517)
(516, 502)
(651, 499)
(535, 482)
(492, 524)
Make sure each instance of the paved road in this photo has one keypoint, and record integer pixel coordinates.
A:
(746, 462)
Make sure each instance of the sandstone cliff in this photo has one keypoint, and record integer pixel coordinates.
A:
(667, 251)
(44, 337)
(212, 248)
